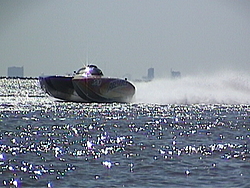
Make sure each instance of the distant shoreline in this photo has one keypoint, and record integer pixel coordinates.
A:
(21, 78)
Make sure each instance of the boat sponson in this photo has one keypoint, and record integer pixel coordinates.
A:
(104, 89)
(59, 87)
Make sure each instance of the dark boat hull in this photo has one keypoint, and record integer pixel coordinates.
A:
(104, 89)
(60, 87)
(87, 89)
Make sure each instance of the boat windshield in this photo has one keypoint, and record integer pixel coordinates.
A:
(90, 70)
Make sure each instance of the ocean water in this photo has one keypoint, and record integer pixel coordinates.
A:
(176, 133)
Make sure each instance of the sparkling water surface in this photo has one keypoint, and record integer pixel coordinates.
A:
(46, 143)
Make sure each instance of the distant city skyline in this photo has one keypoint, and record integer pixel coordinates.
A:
(120, 37)
(14, 71)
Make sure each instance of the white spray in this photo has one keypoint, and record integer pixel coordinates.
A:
(223, 88)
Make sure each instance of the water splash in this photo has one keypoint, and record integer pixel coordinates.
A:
(222, 88)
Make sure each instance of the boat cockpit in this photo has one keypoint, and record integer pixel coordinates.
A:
(90, 71)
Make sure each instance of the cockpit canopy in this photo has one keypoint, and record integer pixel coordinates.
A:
(90, 70)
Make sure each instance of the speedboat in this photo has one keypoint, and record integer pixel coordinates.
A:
(88, 85)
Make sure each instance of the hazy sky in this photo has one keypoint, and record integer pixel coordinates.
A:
(129, 36)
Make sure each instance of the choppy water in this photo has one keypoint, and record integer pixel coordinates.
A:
(44, 143)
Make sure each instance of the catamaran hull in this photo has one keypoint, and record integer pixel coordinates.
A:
(87, 89)
(60, 87)
(104, 89)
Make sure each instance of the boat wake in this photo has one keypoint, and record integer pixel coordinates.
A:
(222, 88)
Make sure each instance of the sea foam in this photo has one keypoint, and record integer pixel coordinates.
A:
(223, 88)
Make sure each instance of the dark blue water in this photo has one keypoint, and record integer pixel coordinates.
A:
(44, 143)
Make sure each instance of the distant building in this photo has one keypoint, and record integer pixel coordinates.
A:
(151, 73)
(175, 74)
(15, 71)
